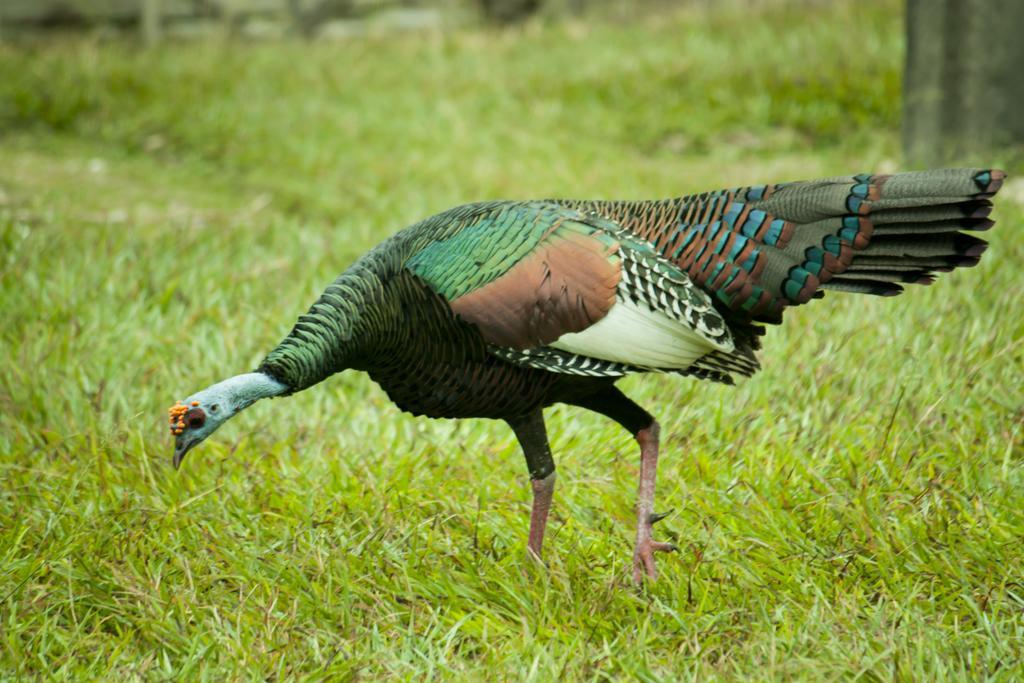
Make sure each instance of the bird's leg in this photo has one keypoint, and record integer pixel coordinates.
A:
(533, 438)
(646, 546)
(609, 401)
(543, 490)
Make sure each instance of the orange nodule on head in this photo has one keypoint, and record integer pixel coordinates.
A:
(176, 415)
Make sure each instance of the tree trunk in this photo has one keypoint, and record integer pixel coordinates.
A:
(508, 11)
(307, 17)
(964, 80)
(149, 21)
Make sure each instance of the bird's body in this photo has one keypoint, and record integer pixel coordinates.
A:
(471, 312)
(499, 309)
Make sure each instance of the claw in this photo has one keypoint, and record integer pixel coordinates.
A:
(656, 517)
(643, 560)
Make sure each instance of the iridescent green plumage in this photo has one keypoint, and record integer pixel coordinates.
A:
(484, 248)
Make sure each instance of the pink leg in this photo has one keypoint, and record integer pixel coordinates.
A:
(643, 555)
(543, 489)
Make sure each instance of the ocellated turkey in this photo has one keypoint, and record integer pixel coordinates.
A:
(499, 309)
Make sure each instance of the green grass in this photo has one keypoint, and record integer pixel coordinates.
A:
(855, 510)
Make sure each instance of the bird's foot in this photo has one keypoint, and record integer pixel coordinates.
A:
(643, 554)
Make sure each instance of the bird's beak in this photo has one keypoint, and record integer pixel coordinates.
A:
(182, 445)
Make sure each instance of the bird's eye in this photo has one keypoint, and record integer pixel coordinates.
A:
(195, 418)
(214, 408)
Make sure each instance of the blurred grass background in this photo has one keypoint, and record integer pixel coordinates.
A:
(855, 510)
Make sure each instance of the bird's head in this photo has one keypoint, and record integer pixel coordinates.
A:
(195, 418)
(201, 414)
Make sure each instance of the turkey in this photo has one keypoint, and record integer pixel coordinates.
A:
(499, 309)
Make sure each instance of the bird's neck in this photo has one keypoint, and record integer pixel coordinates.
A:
(332, 336)
(244, 390)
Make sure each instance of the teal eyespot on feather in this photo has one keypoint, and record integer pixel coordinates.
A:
(733, 213)
(815, 260)
(795, 282)
(722, 241)
(771, 238)
(751, 261)
(678, 231)
(700, 252)
(713, 230)
(832, 245)
(791, 289)
(718, 207)
(737, 247)
(756, 192)
(687, 240)
(753, 299)
(851, 226)
(728, 281)
(753, 223)
(703, 263)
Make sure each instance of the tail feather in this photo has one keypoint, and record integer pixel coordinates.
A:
(955, 212)
(759, 249)
(865, 286)
(913, 228)
(928, 244)
(907, 274)
(942, 264)
(942, 182)
(867, 233)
